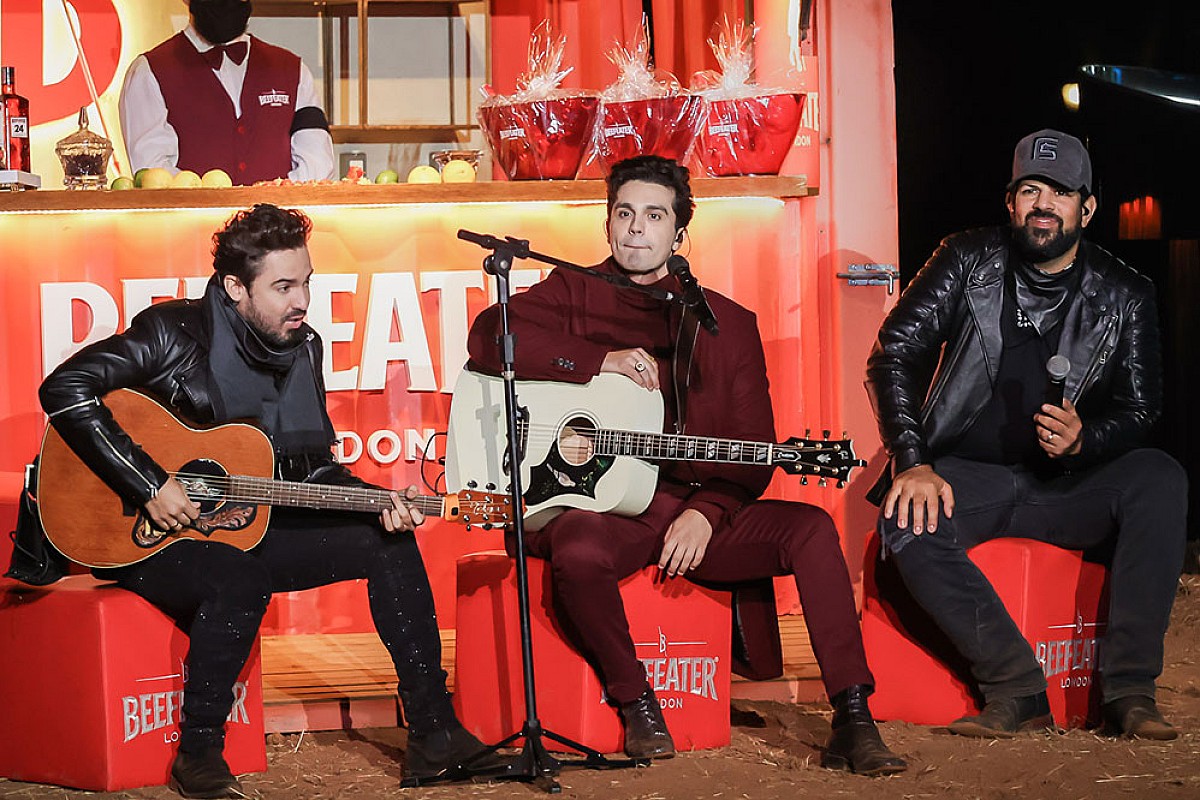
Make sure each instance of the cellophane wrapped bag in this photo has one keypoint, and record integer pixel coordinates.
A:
(542, 131)
(643, 115)
(748, 128)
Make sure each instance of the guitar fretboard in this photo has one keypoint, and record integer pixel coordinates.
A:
(682, 448)
(264, 491)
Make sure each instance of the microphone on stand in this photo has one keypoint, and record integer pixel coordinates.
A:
(693, 294)
(1057, 368)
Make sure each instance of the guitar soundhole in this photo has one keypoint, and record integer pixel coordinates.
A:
(206, 482)
(576, 441)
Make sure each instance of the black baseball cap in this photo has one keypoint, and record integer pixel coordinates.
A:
(1054, 155)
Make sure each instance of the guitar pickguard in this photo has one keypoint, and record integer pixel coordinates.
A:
(554, 477)
(202, 479)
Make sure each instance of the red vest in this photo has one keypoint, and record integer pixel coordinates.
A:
(256, 147)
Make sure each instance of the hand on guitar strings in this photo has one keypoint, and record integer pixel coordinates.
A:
(685, 543)
(401, 516)
(636, 364)
(171, 509)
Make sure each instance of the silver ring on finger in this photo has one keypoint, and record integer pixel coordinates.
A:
(640, 367)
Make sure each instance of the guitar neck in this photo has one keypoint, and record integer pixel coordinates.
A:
(265, 491)
(675, 447)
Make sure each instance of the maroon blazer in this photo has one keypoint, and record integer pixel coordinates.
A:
(566, 324)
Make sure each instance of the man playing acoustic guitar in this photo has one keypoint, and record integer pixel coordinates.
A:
(704, 521)
(245, 352)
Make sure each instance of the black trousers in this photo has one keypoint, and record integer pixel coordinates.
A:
(218, 594)
(1135, 505)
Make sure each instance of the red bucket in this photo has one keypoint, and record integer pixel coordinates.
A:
(661, 126)
(543, 139)
(750, 135)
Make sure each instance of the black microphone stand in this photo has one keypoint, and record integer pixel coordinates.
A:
(535, 763)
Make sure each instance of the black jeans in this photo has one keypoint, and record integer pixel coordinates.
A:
(219, 594)
(1135, 504)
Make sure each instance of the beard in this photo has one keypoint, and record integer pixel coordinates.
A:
(277, 339)
(1038, 245)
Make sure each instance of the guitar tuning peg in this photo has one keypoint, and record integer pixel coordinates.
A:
(823, 483)
(468, 528)
(487, 526)
(825, 433)
(841, 484)
(845, 434)
(472, 484)
(804, 480)
(808, 433)
(491, 487)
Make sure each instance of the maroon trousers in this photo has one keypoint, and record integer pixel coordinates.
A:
(590, 552)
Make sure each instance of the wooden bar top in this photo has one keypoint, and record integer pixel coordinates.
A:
(310, 195)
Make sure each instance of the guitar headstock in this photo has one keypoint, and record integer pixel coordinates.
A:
(484, 509)
(827, 459)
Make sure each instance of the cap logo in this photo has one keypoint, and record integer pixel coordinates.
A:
(1045, 148)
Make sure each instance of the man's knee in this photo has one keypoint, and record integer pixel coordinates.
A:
(581, 548)
(1155, 472)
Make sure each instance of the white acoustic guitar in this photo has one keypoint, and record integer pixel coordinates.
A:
(590, 445)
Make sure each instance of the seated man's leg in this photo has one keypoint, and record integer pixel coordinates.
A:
(1141, 497)
(589, 554)
(772, 537)
(219, 595)
(308, 550)
(963, 603)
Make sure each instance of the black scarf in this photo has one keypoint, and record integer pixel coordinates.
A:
(1045, 297)
(276, 388)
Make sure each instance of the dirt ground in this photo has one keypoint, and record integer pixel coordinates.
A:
(774, 754)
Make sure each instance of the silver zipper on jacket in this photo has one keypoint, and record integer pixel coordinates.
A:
(95, 401)
(120, 456)
(1098, 361)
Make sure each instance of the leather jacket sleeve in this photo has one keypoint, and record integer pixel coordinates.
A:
(1119, 413)
(72, 397)
(905, 354)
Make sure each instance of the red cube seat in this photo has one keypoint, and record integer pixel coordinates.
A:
(92, 680)
(1058, 600)
(681, 631)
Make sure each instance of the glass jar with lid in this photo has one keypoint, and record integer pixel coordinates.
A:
(84, 156)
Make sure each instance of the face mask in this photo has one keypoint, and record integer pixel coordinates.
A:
(220, 21)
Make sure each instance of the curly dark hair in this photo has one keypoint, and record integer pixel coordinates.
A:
(654, 169)
(239, 247)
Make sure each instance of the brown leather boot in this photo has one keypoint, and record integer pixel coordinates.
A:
(1137, 717)
(1006, 717)
(856, 745)
(646, 734)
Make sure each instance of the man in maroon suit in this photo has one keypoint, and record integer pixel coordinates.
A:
(705, 521)
(212, 96)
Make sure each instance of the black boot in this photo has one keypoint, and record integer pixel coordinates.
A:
(204, 775)
(431, 754)
(646, 734)
(855, 744)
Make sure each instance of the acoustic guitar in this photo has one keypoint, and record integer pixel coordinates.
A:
(227, 470)
(592, 446)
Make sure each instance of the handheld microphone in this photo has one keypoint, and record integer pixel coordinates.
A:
(693, 293)
(1057, 368)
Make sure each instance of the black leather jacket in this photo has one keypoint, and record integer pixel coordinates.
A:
(948, 320)
(164, 354)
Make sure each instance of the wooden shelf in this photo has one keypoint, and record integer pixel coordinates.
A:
(308, 195)
(389, 134)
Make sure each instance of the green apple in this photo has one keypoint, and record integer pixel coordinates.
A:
(388, 176)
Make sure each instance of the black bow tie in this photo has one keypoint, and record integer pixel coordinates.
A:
(236, 52)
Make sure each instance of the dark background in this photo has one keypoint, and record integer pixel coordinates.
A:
(972, 78)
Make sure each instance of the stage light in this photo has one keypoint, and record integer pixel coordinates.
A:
(1070, 96)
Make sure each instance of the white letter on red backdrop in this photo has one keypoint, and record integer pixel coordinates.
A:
(58, 319)
(453, 301)
(320, 316)
(394, 298)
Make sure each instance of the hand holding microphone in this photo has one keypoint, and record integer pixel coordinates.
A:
(1058, 424)
(693, 294)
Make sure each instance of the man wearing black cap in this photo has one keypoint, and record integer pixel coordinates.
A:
(214, 97)
(981, 448)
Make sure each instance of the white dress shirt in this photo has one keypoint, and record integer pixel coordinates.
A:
(151, 141)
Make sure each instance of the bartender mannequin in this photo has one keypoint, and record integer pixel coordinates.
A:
(212, 96)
